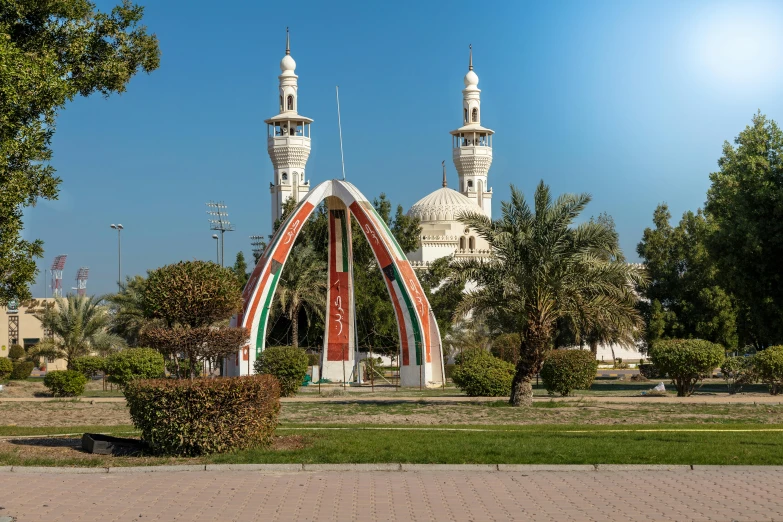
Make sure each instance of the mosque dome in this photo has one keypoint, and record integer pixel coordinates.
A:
(444, 204)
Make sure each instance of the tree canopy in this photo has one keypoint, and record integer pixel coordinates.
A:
(745, 203)
(50, 52)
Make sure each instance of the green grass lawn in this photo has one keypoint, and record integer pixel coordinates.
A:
(569, 444)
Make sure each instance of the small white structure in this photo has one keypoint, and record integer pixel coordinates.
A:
(288, 140)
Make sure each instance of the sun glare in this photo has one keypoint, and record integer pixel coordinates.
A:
(740, 46)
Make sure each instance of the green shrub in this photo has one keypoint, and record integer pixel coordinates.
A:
(68, 383)
(313, 359)
(480, 374)
(769, 367)
(16, 353)
(287, 363)
(686, 361)
(650, 371)
(184, 369)
(22, 370)
(566, 370)
(448, 369)
(134, 363)
(89, 365)
(6, 366)
(202, 416)
(738, 371)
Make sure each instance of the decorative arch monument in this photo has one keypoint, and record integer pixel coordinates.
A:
(421, 355)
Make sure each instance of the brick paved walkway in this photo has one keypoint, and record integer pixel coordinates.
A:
(751, 494)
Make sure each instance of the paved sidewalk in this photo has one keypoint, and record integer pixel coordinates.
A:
(721, 494)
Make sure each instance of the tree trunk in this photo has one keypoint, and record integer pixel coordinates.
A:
(594, 349)
(531, 356)
(295, 327)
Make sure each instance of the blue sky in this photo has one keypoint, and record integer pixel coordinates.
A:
(629, 101)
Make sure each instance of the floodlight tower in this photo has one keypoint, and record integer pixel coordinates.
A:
(81, 280)
(57, 275)
(219, 221)
(258, 244)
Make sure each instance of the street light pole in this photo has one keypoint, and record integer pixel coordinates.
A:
(217, 248)
(118, 227)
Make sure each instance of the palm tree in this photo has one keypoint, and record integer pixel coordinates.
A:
(544, 269)
(78, 327)
(302, 286)
(126, 310)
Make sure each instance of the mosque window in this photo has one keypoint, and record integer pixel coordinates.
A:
(462, 243)
(281, 102)
(466, 115)
(470, 183)
(290, 102)
(472, 243)
(285, 176)
(474, 115)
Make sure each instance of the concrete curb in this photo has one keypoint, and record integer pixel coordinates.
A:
(390, 467)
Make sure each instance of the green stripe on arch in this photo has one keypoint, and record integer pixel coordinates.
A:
(265, 311)
(411, 312)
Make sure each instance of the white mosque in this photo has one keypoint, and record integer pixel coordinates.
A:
(442, 234)
(288, 144)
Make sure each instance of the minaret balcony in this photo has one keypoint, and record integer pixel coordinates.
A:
(287, 141)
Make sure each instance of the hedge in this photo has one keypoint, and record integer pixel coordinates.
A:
(6, 366)
(68, 383)
(566, 370)
(650, 371)
(22, 370)
(686, 361)
(202, 416)
(134, 363)
(89, 365)
(480, 374)
(769, 367)
(287, 363)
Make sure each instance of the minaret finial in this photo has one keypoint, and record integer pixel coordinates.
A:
(470, 63)
(288, 43)
(443, 163)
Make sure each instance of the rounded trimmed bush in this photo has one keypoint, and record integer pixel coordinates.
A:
(68, 383)
(480, 374)
(566, 370)
(649, 371)
(134, 363)
(768, 364)
(22, 370)
(287, 363)
(89, 365)
(6, 367)
(202, 416)
(16, 352)
(686, 361)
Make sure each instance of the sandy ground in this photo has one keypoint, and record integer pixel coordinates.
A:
(94, 413)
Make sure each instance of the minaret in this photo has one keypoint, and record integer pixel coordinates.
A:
(472, 145)
(288, 140)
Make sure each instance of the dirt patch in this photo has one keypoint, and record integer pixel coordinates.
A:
(63, 413)
(289, 442)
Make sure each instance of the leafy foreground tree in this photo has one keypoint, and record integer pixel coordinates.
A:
(78, 325)
(50, 52)
(745, 202)
(193, 299)
(544, 269)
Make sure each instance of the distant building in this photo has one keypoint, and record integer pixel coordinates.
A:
(18, 325)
